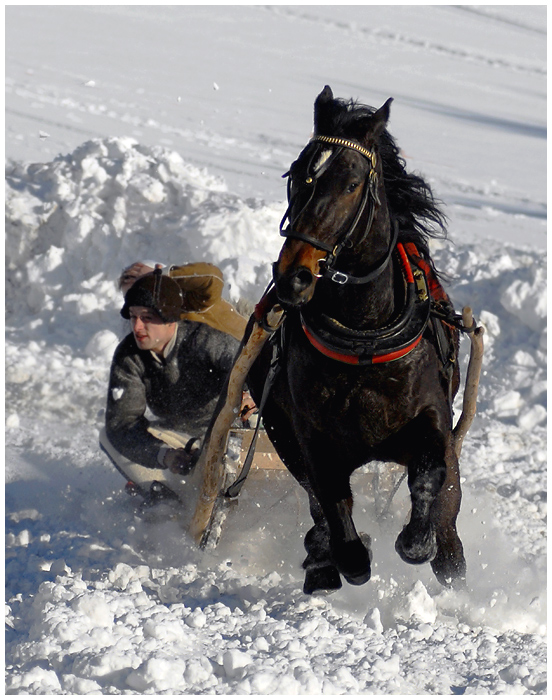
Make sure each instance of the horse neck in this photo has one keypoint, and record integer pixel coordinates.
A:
(370, 305)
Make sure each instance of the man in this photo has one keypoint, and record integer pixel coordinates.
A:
(176, 369)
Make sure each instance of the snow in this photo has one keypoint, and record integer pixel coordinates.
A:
(140, 132)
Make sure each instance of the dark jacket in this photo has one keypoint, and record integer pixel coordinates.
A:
(181, 389)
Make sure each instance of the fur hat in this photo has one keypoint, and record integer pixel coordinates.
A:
(158, 292)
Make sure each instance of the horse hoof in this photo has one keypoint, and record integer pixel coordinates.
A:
(359, 579)
(451, 573)
(353, 561)
(416, 550)
(322, 579)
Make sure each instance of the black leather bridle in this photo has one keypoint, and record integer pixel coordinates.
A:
(369, 198)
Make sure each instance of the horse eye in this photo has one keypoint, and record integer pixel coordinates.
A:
(352, 187)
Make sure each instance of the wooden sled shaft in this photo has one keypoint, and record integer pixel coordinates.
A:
(469, 405)
(210, 465)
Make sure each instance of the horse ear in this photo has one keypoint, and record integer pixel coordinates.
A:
(323, 110)
(381, 117)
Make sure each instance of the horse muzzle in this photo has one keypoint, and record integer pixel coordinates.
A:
(294, 287)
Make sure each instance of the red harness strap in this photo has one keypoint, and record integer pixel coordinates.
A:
(265, 305)
(355, 359)
(349, 359)
(436, 290)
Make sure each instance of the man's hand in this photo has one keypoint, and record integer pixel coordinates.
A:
(248, 407)
(131, 274)
(179, 461)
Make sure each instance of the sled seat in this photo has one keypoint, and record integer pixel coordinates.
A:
(266, 457)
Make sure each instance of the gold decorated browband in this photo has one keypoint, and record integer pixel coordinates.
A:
(337, 141)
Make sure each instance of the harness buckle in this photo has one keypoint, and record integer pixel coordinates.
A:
(339, 277)
(421, 287)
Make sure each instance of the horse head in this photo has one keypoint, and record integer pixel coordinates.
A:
(334, 192)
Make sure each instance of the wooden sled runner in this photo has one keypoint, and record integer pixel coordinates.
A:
(225, 448)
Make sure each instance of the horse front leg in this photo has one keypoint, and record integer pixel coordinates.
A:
(321, 575)
(331, 507)
(333, 545)
(417, 542)
(423, 437)
(434, 484)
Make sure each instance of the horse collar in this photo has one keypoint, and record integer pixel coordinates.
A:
(399, 338)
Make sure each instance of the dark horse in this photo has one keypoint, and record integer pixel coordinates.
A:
(367, 368)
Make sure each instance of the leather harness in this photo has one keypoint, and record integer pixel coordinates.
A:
(391, 342)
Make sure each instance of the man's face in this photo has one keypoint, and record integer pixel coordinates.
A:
(150, 333)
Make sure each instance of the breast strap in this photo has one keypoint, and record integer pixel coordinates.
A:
(367, 347)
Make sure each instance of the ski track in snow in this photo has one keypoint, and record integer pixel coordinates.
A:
(100, 602)
(383, 37)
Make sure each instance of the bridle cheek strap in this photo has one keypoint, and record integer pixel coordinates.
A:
(344, 278)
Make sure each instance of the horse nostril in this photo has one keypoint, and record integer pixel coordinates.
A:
(301, 280)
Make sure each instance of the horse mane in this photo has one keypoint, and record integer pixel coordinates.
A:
(409, 197)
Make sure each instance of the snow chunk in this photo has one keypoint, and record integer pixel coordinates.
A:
(12, 421)
(167, 630)
(102, 345)
(123, 575)
(36, 681)
(158, 673)
(372, 620)
(197, 619)
(532, 417)
(198, 671)
(95, 608)
(81, 686)
(417, 606)
(234, 661)
(527, 300)
(508, 404)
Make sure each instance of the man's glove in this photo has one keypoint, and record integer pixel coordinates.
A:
(182, 460)
(248, 406)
